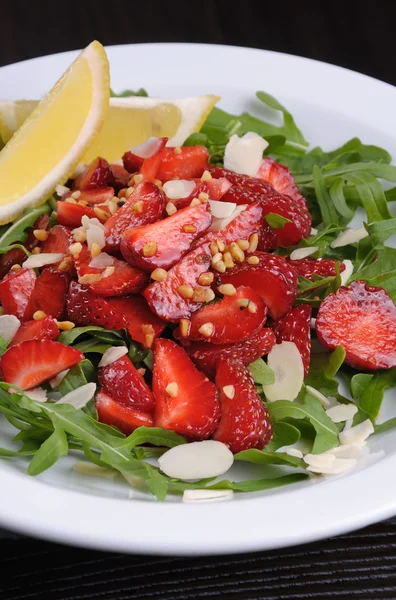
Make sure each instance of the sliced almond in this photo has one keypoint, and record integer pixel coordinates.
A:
(286, 362)
(196, 460)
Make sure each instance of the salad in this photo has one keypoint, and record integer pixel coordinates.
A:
(196, 305)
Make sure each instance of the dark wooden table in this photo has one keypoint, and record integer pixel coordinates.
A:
(362, 565)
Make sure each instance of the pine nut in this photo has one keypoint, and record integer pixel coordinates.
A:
(220, 267)
(214, 249)
(185, 291)
(227, 289)
(206, 279)
(253, 242)
(177, 150)
(253, 260)
(229, 263)
(243, 244)
(203, 197)
(172, 389)
(170, 209)
(237, 254)
(65, 325)
(199, 294)
(89, 278)
(40, 234)
(39, 315)
(36, 250)
(195, 202)
(15, 267)
(101, 214)
(206, 176)
(76, 195)
(184, 326)
(95, 250)
(108, 272)
(215, 259)
(137, 179)
(220, 245)
(209, 295)
(149, 249)
(159, 274)
(243, 302)
(229, 391)
(189, 228)
(65, 264)
(80, 235)
(252, 308)
(75, 249)
(206, 329)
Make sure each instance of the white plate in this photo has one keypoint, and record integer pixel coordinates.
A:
(331, 105)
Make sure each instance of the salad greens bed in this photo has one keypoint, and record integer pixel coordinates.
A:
(336, 185)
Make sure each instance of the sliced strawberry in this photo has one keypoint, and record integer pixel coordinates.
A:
(132, 162)
(272, 278)
(171, 237)
(281, 179)
(186, 401)
(95, 195)
(231, 320)
(295, 327)
(121, 177)
(184, 163)
(206, 356)
(71, 214)
(17, 256)
(97, 174)
(118, 415)
(244, 422)
(124, 279)
(143, 325)
(16, 290)
(45, 329)
(362, 319)
(29, 364)
(246, 190)
(123, 382)
(145, 205)
(58, 240)
(216, 188)
(49, 294)
(150, 165)
(86, 308)
(325, 267)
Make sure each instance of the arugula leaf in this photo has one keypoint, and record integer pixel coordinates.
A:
(276, 221)
(283, 434)
(114, 338)
(368, 390)
(16, 231)
(50, 451)
(3, 346)
(386, 426)
(260, 457)
(152, 435)
(322, 370)
(380, 231)
(371, 195)
(261, 372)
(381, 272)
(256, 485)
(6, 249)
(79, 375)
(327, 209)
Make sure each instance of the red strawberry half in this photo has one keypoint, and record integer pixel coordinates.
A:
(123, 382)
(16, 290)
(186, 401)
(272, 278)
(281, 179)
(362, 319)
(86, 308)
(162, 244)
(185, 163)
(206, 356)
(97, 174)
(45, 329)
(143, 325)
(49, 294)
(121, 177)
(295, 327)
(58, 240)
(71, 214)
(125, 418)
(325, 267)
(244, 422)
(29, 364)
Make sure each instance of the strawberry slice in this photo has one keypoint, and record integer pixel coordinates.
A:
(132, 162)
(325, 267)
(45, 329)
(49, 294)
(58, 240)
(281, 179)
(71, 214)
(29, 364)
(94, 196)
(186, 401)
(16, 290)
(86, 308)
(272, 278)
(118, 415)
(150, 165)
(124, 279)
(362, 319)
(123, 382)
(97, 174)
(17, 256)
(187, 162)
(231, 320)
(121, 177)
(143, 325)
(244, 422)
(295, 327)
(145, 205)
(206, 356)
(162, 244)
(216, 188)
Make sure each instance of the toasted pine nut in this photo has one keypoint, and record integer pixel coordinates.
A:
(95, 250)
(215, 259)
(76, 194)
(229, 263)
(237, 254)
(227, 289)
(122, 193)
(184, 326)
(206, 278)
(70, 200)
(203, 197)
(65, 325)
(253, 260)
(65, 264)
(39, 315)
(253, 242)
(137, 179)
(159, 274)
(101, 214)
(243, 244)
(36, 250)
(220, 267)
(189, 228)
(170, 209)
(206, 176)
(243, 302)
(15, 267)
(89, 278)
(149, 249)
(172, 389)
(252, 308)
(229, 391)
(195, 202)
(75, 249)
(40, 234)
(206, 329)
(199, 295)
(209, 295)
(80, 235)
(214, 249)
(220, 245)
(108, 272)
(177, 150)
(185, 291)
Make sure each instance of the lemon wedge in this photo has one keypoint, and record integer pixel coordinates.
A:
(129, 122)
(55, 136)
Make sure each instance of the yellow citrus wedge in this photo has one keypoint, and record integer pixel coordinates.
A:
(52, 140)
(129, 122)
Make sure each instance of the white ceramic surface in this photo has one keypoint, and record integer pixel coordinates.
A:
(331, 105)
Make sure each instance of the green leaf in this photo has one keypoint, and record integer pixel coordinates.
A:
(128, 93)
(260, 457)
(3, 346)
(16, 231)
(5, 453)
(50, 451)
(368, 390)
(261, 372)
(6, 249)
(283, 434)
(381, 272)
(327, 209)
(292, 132)
(68, 338)
(276, 221)
(371, 195)
(257, 485)
(380, 231)
(386, 426)
(91, 346)
(79, 375)
(152, 435)
(326, 431)
(336, 193)
(323, 368)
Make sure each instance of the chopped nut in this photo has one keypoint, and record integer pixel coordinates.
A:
(184, 326)
(65, 325)
(82, 203)
(237, 254)
(15, 267)
(172, 389)
(206, 279)
(253, 242)
(76, 194)
(214, 248)
(95, 250)
(70, 200)
(189, 228)
(203, 197)
(149, 339)
(243, 244)
(137, 179)
(112, 204)
(220, 267)
(220, 245)
(89, 278)
(185, 291)
(206, 329)
(39, 315)
(159, 274)
(206, 176)
(75, 249)
(215, 259)
(101, 214)
(227, 289)
(108, 272)
(229, 391)
(36, 250)
(158, 183)
(252, 308)
(170, 209)
(137, 208)
(177, 150)
(243, 302)
(40, 234)
(229, 263)
(253, 260)
(199, 295)
(209, 295)
(65, 264)
(195, 202)
(149, 249)
(121, 193)
(80, 235)
(148, 328)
